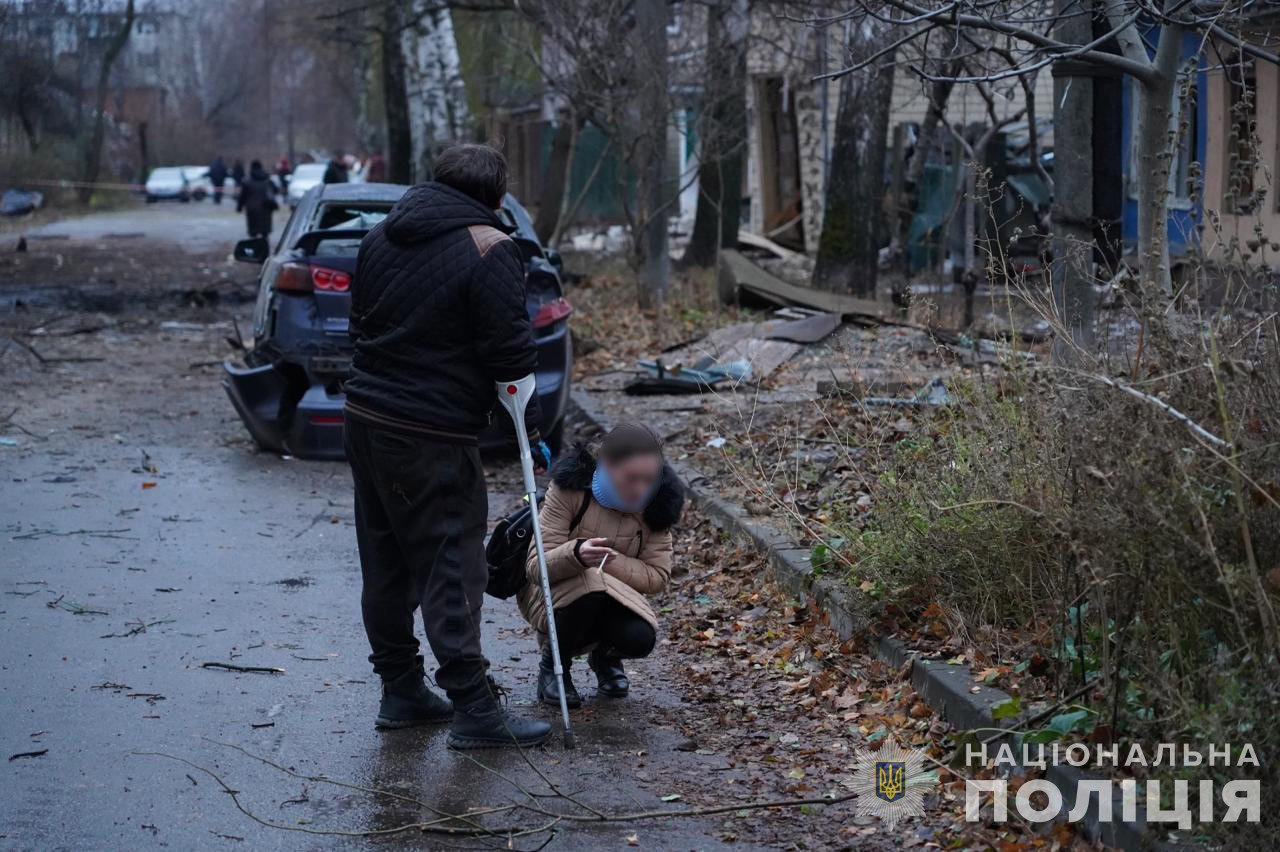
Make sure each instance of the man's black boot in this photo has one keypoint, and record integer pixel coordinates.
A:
(548, 693)
(406, 702)
(480, 722)
(611, 677)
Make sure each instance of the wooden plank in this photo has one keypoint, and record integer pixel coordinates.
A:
(750, 277)
(751, 240)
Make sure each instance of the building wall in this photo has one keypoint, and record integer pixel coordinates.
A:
(797, 52)
(1223, 225)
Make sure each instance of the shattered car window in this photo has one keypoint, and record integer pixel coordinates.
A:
(334, 217)
(363, 221)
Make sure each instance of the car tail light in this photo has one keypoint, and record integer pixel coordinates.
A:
(294, 278)
(304, 278)
(330, 279)
(552, 312)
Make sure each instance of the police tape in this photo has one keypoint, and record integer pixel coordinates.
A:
(81, 184)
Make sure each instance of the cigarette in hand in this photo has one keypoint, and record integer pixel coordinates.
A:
(600, 567)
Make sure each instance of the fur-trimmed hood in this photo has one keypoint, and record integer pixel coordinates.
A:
(577, 466)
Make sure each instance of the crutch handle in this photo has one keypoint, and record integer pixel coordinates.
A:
(515, 396)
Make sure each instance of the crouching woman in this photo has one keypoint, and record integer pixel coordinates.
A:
(606, 528)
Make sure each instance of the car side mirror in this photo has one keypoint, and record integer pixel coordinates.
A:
(529, 249)
(252, 251)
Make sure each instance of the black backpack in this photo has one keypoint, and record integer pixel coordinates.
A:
(508, 549)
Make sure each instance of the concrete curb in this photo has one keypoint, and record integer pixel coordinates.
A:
(949, 689)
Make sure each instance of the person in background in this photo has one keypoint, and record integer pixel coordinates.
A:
(237, 173)
(217, 177)
(284, 168)
(376, 170)
(438, 316)
(336, 171)
(606, 528)
(258, 200)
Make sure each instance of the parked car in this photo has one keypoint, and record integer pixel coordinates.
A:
(290, 391)
(303, 178)
(168, 183)
(198, 182)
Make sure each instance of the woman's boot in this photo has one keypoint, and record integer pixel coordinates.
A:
(548, 692)
(611, 677)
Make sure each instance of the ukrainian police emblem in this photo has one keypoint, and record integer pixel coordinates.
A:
(891, 782)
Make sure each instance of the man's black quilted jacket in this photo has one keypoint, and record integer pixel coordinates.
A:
(438, 315)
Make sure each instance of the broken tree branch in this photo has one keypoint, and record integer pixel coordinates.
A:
(232, 667)
(1158, 403)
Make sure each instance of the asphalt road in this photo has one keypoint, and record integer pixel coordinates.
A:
(143, 536)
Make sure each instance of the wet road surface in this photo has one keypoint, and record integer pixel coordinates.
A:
(143, 537)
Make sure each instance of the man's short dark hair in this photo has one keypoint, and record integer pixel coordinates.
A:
(480, 171)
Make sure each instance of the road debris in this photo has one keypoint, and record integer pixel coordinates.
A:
(139, 626)
(34, 534)
(232, 667)
(60, 602)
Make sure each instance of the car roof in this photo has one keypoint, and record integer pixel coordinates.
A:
(362, 191)
(310, 167)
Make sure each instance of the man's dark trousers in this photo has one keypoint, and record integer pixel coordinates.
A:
(421, 513)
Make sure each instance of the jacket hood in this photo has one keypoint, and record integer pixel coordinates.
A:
(430, 209)
(576, 466)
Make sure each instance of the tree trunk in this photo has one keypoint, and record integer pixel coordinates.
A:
(395, 98)
(853, 218)
(1072, 211)
(651, 30)
(93, 155)
(1157, 151)
(434, 91)
(723, 132)
(144, 149)
(556, 182)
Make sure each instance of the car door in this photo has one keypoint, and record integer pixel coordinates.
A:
(261, 308)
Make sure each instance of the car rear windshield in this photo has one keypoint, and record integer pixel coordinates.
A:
(346, 216)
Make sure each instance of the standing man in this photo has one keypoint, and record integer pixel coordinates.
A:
(217, 177)
(438, 316)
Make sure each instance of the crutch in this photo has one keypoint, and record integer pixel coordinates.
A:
(515, 397)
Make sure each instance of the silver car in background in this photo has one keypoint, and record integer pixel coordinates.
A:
(303, 178)
(168, 183)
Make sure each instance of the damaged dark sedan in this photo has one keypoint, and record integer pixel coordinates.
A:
(289, 392)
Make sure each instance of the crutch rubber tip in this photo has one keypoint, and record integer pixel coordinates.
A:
(569, 741)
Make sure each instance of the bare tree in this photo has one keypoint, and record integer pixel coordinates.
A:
(722, 132)
(93, 151)
(608, 60)
(1007, 39)
(853, 217)
(395, 97)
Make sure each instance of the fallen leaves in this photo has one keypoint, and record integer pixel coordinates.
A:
(769, 685)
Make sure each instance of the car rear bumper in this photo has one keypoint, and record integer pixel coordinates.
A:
(311, 426)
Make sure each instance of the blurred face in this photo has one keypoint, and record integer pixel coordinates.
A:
(634, 478)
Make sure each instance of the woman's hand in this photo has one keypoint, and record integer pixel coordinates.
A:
(594, 551)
